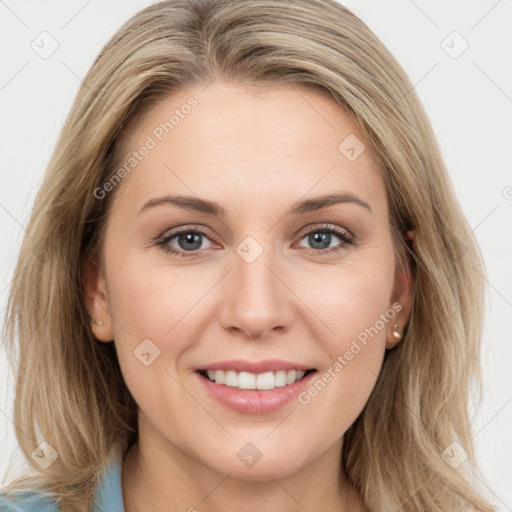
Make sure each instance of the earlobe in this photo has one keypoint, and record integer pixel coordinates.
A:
(96, 301)
(402, 294)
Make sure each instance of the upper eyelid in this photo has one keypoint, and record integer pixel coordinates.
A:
(324, 226)
(185, 229)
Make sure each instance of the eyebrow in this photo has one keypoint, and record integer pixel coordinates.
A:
(299, 208)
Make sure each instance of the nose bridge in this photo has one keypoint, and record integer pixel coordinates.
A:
(254, 279)
(258, 299)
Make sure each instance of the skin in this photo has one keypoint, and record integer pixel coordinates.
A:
(255, 151)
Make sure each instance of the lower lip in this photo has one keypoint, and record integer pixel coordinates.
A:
(254, 401)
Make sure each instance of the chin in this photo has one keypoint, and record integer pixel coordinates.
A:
(251, 463)
(262, 471)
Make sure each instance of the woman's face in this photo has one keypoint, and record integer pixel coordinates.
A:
(267, 276)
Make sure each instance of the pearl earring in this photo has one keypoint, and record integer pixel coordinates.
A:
(99, 324)
(396, 333)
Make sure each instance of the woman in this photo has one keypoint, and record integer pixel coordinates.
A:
(314, 346)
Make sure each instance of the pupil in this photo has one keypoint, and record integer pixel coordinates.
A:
(319, 238)
(190, 238)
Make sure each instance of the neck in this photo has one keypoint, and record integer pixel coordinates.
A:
(156, 477)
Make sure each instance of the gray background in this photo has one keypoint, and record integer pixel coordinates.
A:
(468, 98)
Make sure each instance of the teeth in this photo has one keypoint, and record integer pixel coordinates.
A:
(261, 381)
(280, 378)
(290, 376)
(246, 380)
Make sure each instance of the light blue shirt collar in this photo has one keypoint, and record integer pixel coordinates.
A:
(109, 492)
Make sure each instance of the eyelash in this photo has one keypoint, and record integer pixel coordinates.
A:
(324, 229)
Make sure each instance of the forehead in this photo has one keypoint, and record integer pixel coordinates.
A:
(242, 142)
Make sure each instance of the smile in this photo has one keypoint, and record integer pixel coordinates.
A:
(261, 381)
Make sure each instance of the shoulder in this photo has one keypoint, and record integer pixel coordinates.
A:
(27, 501)
(108, 493)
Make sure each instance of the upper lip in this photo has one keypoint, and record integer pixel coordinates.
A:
(243, 365)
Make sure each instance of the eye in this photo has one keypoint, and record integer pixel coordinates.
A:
(321, 237)
(188, 240)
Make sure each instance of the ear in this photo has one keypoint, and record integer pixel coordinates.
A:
(96, 301)
(402, 294)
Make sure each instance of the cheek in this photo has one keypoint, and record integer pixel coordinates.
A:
(358, 314)
(156, 314)
(361, 306)
(153, 300)
(351, 302)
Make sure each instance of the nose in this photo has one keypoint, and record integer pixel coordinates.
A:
(257, 301)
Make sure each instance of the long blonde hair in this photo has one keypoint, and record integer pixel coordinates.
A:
(69, 388)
